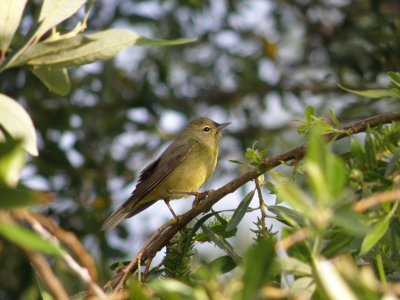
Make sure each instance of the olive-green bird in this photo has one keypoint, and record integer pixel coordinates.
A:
(180, 170)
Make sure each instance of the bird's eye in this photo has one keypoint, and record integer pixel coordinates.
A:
(206, 129)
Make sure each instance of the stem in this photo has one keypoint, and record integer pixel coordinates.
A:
(381, 268)
(261, 201)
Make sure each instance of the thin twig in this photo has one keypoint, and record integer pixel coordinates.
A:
(292, 239)
(53, 285)
(375, 199)
(161, 238)
(138, 258)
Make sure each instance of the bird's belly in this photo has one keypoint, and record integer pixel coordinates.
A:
(189, 176)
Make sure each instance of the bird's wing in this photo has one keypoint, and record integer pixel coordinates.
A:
(149, 178)
(158, 170)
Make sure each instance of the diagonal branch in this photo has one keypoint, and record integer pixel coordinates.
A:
(214, 196)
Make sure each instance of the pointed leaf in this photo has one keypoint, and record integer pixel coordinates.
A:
(257, 268)
(374, 94)
(55, 79)
(143, 41)
(12, 159)
(16, 197)
(46, 48)
(27, 239)
(374, 235)
(16, 121)
(54, 12)
(222, 244)
(10, 17)
(240, 211)
(102, 45)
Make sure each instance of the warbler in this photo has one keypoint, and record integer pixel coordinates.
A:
(179, 171)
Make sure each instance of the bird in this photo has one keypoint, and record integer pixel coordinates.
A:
(183, 167)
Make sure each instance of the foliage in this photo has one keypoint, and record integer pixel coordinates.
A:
(311, 237)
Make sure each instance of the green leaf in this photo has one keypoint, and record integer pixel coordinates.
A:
(54, 12)
(291, 193)
(136, 291)
(27, 239)
(102, 45)
(374, 235)
(221, 243)
(46, 48)
(392, 163)
(287, 215)
(309, 113)
(222, 264)
(335, 175)
(55, 79)
(12, 159)
(349, 221)
(240, 211)
(257, 268)
(10, 17)
(334, 119)
(144, 41)
(315, 165)
(171, 288)
(16, 121)
(293, 266)
(357, 150)
(17, 197)
(395, 77)
(340, 242)
(374, 94)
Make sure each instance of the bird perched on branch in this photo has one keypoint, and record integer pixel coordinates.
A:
(180, 170)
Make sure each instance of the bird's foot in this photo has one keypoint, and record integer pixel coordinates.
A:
(201, 196)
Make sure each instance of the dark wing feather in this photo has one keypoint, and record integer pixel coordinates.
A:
(157, 171)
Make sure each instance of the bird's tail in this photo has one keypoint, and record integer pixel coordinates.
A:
(115, 218)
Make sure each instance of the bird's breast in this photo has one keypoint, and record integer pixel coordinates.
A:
(192, 172)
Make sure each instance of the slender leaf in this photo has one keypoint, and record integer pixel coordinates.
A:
(287, 215)
(12, 159)
(350, 221)
(240, 211)
(46, 48)
(171, 287)
(16, 121)
(10, 17)
(27, 239)
(54, 12)
(10, 197)
(102, 45)
(335, 175)
(143, 41)
(257, 268)
(332, 282)
(374, 235)
(392, 163)
(374, 94)
(293, 266)
(55, 79)
(221, 243)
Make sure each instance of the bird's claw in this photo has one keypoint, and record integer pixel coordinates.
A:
(201, 196)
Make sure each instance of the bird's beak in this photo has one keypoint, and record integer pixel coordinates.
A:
(221, 126)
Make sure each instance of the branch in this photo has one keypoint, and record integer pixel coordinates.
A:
(214, 196)
(50, 231)
(47, 276)
(375, 199)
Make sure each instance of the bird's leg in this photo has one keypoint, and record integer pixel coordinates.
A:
(170, 209)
